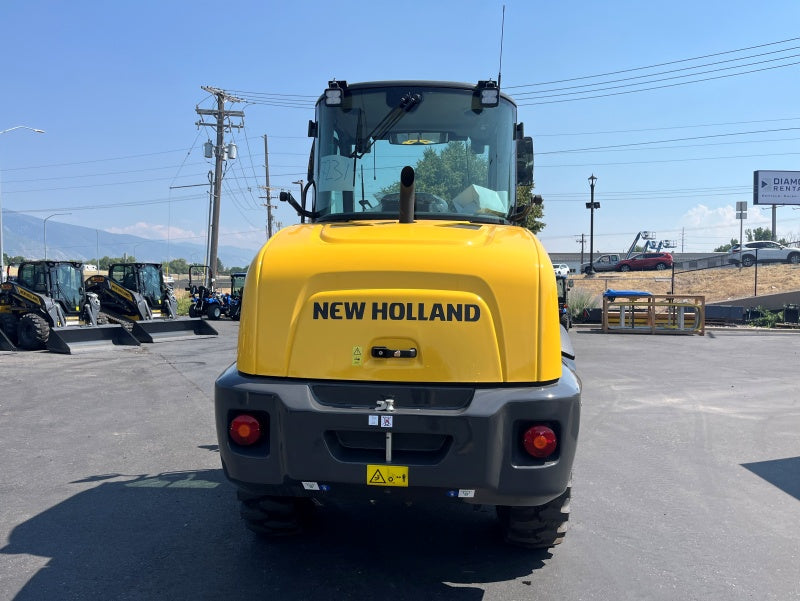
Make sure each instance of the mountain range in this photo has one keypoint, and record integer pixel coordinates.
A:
(24, 236)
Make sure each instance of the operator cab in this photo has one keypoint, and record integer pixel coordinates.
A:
(463, 141)
(60, 280)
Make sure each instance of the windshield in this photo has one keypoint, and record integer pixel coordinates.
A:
(462, 153)
(151, 283)
(68, 284)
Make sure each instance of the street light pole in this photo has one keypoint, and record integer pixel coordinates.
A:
(591, 205)
(2, 260)
(45, 231)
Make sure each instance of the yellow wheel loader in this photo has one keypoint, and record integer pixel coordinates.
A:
(47, 306)
(136, 296)
(402, 343)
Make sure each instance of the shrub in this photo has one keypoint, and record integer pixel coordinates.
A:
(579, 301)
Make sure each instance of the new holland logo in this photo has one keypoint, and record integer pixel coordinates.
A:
(385, 311)
(29, 295)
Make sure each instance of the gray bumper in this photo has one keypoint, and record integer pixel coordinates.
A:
(473, 452)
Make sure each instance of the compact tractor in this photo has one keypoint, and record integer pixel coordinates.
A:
(206, 300)
(402, 343)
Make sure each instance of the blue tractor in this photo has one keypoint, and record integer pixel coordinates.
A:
(206, 301)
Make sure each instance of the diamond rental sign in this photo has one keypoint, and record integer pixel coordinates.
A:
(776, 187)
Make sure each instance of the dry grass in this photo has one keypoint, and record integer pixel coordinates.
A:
(715, 284)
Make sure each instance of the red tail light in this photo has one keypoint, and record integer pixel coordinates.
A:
(245, 430)
(539, 441)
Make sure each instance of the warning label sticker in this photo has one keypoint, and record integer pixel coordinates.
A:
(387, 475)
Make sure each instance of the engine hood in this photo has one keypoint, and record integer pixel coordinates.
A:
(441, 301)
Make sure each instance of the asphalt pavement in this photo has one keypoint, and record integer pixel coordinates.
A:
(686, 486)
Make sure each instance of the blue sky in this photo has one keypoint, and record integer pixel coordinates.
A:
(115, 86)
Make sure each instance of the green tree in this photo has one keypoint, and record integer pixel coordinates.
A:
(726, 247)
(534, 219)
(762, 233)
(15, 260)
(448, 172)
(178, 266)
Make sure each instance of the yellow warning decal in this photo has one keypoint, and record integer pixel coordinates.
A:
(387, 475)
(358, 355)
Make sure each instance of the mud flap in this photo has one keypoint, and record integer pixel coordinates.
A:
(5, 342)
(75, 338)
(163, 329)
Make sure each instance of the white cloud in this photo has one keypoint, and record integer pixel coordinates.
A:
(706, 228)
(158, 231)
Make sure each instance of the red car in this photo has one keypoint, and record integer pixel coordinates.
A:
(643, 261)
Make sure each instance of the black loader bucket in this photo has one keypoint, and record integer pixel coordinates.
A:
(77, 338)
(5, 343)
(170, 329)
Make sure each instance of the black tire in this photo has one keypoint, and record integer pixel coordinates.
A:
(33, 332)
(273, 517)
(192, 311)
(793, 258)
(624, 268)
(536, 527)
(661, 266)
(748, 261)
(8, 323)
(213, 311)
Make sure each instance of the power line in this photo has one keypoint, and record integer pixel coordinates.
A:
(653, 75)
(691, 138)
(654, 66)
(656, 87)
(671, 127)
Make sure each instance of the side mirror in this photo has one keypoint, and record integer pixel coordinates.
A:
(525, 161)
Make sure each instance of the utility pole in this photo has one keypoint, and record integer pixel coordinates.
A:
(581, 240)
(268, 189)
(221, 123)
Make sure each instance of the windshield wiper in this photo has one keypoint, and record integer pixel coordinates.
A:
(406, 105)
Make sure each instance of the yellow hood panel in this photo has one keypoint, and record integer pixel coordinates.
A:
(476, 302)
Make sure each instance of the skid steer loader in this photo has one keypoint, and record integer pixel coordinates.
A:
(402, 343)
(47, 306)
(135, 296)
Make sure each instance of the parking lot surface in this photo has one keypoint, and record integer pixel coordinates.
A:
(686, 486)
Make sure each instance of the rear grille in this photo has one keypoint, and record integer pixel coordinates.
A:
(355, 446)
(361, 396)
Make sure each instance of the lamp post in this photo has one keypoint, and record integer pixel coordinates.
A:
(134, 251)
(591, 205)
(300, 183)
(2, 260)
(45, 231)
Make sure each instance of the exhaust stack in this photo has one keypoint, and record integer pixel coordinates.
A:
(407, 195)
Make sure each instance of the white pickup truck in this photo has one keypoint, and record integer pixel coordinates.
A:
(602, 263)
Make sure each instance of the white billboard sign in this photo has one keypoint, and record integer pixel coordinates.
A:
(776, 187)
